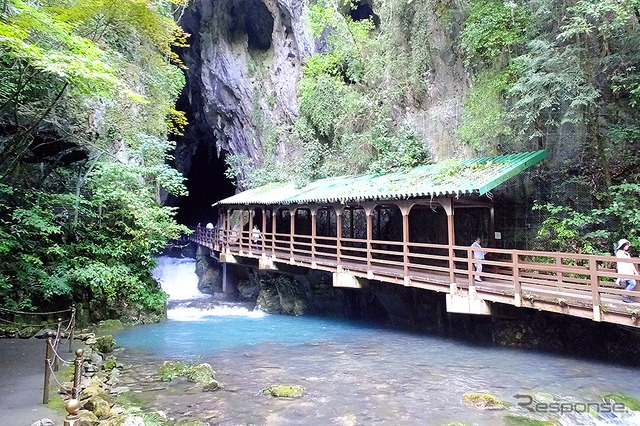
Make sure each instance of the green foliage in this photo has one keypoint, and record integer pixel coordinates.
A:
(492, 28)
(84, 228)
(551, 89)
(594, 231)
(484, 119)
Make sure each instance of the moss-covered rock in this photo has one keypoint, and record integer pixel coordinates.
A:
(110, 363)
(484, 400)
(211, 385)
(169, 370)
(632, 403)
(104, 344)
(284, 391)
(200, 373)
(98, 406)
(87, 418)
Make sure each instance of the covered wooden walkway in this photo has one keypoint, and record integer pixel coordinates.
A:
(400, 229)
(571, 284)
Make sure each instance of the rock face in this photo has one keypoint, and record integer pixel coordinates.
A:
(244, 63)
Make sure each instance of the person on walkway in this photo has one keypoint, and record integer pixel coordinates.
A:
(255, 235)
(478, 255)
(626, 268)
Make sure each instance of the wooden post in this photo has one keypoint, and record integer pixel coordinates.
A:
(314, 213)
(252, 213)
(595, 292)
(274, 216)
(338, 239)
(447, 203)
(368, 211)
(292, 230)
(517, 290)
(56, 344)
(72, 325)
(47, 366)
(264, 229)
(77, 373)
(405, 247)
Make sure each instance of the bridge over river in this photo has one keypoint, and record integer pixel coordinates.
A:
(401, 229)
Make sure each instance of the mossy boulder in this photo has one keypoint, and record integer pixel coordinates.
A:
(284, 391)
(104, 344)
(110, 363)
(632, 403)
(87, 418)
(484, 400)
(169, 370)
(211, 385)
(200, 373)
(98, 406)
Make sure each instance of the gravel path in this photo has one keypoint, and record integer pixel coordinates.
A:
(21, 382)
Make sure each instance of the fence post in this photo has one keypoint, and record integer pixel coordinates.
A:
(72, 325)
(72, 406)
(77, 373)
(595, 292)
(56, 343)
(517, 285)
(47, 367)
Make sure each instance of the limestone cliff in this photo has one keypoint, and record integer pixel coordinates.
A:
(245, 62)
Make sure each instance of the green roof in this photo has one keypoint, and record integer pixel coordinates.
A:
(451, 177)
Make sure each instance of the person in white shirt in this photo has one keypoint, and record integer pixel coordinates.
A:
(478, 255)
(626, 268)
(255, 236)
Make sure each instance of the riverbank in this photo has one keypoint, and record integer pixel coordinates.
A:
(22, 378)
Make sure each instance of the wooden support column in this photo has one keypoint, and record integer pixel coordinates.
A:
(292, 230)
(263, 231)
(227, 230)
(314, 214)
(274, 215)
(252, 213)
(595, 291)
(368, 210)
(447, 203)
(338, 238)
(492, 227)
(405, 208)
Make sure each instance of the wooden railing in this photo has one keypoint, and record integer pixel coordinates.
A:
(575, 284)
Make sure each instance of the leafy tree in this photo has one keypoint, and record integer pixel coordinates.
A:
(84, 115)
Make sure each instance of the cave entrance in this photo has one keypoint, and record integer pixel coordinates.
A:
(207, 184)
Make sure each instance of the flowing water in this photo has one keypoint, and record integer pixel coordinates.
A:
(353, 373)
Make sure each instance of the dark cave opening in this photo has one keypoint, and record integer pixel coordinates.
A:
(361, 10)
(258, 23)
(206, 184)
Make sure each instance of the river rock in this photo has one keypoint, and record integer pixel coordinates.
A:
(285, 391)
(201, 373)
(99, 407)
(105, 344)
(87, 418)
(484, 400)
(211, 385)
(43, 422)
(133, 421)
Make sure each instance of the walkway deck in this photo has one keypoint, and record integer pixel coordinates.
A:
(565, 283)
